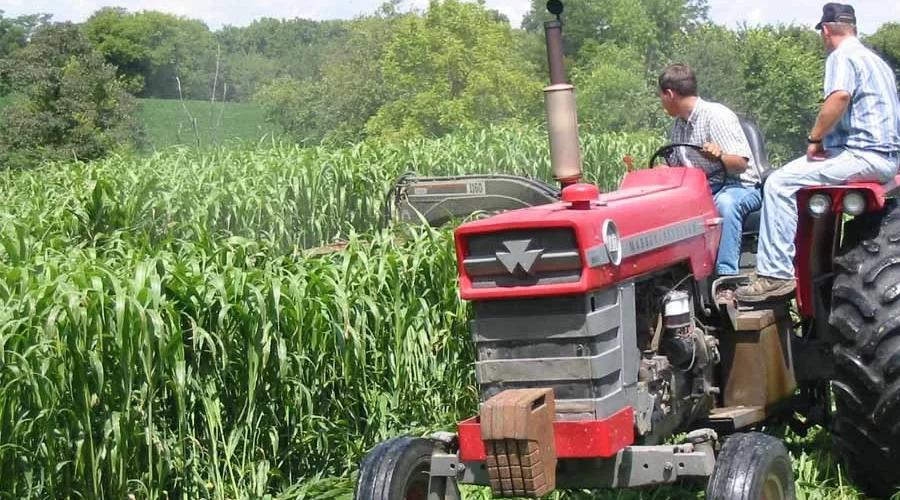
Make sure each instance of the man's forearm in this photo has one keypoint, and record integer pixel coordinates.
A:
(832, 110)
(735, 164)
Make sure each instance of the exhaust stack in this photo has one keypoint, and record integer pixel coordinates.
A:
(559, 98)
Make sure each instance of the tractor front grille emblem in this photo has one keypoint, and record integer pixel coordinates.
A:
(518, 255)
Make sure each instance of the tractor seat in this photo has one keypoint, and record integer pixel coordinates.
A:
(751, 222)
(757, 146)
(761, 155)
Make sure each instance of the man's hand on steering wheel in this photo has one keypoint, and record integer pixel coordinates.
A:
(712, 151)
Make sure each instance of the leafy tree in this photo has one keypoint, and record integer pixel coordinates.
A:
(455, 67)
(886, 41)
(152, 49)
(647, 26)
(67, 103)
(350, 88)
(782, 88)
(623, 22)
(715, 54)
(612, 93)
(16, 31)
(243, 74)
(296, 44)
(14, 35)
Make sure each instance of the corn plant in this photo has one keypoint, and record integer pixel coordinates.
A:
(164, 334)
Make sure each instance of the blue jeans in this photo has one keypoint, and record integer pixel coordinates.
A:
(733, 201)
(778, 220)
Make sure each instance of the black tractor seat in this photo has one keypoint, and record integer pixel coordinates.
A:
(751, 223)
(763, 169)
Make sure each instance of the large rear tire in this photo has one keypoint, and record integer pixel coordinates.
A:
(752, 466)
(866, 315)
(398, 469)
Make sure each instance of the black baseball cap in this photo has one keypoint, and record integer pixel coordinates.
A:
(837, 13)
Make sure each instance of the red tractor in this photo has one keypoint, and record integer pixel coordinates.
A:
(599, 340)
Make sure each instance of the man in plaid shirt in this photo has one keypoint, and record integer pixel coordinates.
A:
(727, 158)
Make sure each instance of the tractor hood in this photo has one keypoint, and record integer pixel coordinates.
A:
(659, 217)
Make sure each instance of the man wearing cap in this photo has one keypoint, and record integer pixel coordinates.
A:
(856, 138)
(727, 159)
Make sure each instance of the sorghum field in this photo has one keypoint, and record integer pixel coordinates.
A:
(165, 331)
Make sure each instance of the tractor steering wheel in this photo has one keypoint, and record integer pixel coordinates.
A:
(665, 150)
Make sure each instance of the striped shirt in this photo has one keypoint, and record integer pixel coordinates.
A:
(872, 122)
(713, 122)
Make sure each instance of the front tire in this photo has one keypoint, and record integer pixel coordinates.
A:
(398, 469)
(752, 466)
(866, 315)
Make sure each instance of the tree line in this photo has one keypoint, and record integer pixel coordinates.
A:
(455, 65)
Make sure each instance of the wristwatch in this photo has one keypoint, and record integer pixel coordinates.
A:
(810, 140)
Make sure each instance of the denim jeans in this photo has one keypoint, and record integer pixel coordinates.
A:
(778, 220)
(734, 201)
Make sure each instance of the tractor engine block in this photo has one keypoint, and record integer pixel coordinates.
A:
(676, 375)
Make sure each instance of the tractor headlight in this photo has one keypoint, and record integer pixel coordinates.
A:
(612, 242)
(819, 204)
(854, 203)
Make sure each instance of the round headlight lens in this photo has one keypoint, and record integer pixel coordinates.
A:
(819, 204)
(612, 242)
(854, 203)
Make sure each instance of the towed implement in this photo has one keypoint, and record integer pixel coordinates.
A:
(599, 339)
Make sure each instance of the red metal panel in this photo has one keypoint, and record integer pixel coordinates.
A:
(805, 270)
(574, 439)
(649, 203)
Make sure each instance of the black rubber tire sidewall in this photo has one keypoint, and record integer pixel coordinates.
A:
(386, 471)
(743, 465)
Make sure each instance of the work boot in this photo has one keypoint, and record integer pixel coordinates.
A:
(765, 289)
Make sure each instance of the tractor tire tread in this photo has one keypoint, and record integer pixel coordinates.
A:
(866, 315)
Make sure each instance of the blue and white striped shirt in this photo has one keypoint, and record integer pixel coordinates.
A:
(872, 122)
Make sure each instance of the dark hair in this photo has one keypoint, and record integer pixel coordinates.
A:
(680, 78)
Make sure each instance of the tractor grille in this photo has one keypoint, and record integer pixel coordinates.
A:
(523, 258)
(584, 347)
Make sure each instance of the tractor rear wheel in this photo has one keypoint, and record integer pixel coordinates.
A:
(399, 469)
(751, 466)
(866, 315)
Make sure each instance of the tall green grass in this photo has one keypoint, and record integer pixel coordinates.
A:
(163, 334)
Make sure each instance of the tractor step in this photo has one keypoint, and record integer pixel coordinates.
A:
(731, 418)
(517, 428)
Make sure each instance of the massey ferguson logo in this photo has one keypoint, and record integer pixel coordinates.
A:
(518, 255)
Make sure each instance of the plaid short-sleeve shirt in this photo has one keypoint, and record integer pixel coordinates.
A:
(713, 122)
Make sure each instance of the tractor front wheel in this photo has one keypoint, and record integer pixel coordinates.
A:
(866, 315)
(398, 469)
(752, 466)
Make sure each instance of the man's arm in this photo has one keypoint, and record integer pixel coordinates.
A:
(830, 114)
(728, 142)
(734, 164)
(840, 83)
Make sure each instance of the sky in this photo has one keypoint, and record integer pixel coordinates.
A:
(870, 13)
